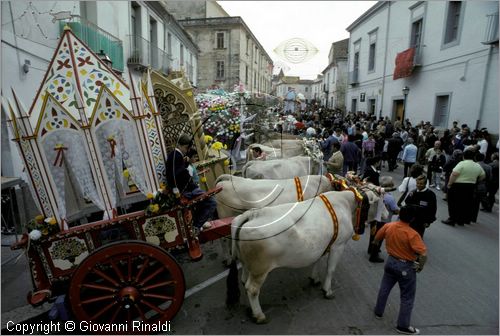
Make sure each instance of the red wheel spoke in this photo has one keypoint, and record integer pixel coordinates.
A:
(105, 276)
(101, 287)
(146, 277)
(159, 296)
(129, 261)
(102, 311)
(115, 314)
(146, 261)
(155, 308)
(160, 284)
(98, 298)
(155, 273)
(117, 270)
(141, 313)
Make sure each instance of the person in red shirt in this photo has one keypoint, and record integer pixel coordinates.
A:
(407, 256)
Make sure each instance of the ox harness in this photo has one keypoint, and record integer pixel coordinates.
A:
(298, 186)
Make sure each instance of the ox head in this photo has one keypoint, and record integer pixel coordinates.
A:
(372, 207)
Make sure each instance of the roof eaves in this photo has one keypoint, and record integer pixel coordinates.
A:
(367, 14)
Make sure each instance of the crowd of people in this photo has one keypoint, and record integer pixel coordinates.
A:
(460, 163)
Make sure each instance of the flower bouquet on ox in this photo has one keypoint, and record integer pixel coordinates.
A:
(42, 227)
(161, 200)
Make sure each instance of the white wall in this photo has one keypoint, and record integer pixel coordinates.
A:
(458, 70)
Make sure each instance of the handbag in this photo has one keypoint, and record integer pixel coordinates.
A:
(403, 196)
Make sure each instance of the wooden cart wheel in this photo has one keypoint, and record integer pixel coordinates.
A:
(127, 281)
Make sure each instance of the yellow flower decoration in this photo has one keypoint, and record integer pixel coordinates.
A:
(203, 179)
(45, 231)
(162, 185)
(126, 174)
(52, 221)
(208, 139)
(149, 196)
(154, 208)
(225, 146)
(217, 145)
(355, 237)
(39, 218)
(226, 162)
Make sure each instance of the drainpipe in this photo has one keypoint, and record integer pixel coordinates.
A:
(385, 58)
(483, 92)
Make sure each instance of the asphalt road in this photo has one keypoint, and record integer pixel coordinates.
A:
(457, 292)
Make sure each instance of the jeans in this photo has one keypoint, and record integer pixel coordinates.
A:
(404, 274)
(202, 211)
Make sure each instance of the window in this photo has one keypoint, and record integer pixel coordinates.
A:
(169, 44)
(246, 75)
(248, 45)
(305, 89)
(452, 21)
(256, 54)
(441, 111)
(182, 55)
(416, 34)
(372, 50)
(220, 70)
(356, 64)
(220, 40)
(371, 57)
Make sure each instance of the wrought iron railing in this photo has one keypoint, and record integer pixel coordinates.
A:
(353, 77)
(142, 53)
(97, 39)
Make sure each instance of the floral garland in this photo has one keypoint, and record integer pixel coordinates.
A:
(312, 149)
(220, 115)
(161, 200)
(40, 226)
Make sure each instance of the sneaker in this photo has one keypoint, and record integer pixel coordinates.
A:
(378, 317)
(432, 185)
(438, 188)
(408, 331)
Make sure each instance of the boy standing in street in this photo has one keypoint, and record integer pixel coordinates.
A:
(407, 256)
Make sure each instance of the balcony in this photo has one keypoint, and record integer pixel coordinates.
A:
(353, 77)
(143, 54)
(97, 39)
(491, 32)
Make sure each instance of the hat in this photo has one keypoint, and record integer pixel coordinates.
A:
(386, 182)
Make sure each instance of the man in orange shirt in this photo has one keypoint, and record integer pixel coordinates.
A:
(407, 256)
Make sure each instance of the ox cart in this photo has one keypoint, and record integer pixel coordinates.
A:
(122, 269)
(90, 140)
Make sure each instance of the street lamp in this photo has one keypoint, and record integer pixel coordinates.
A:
(405, 90)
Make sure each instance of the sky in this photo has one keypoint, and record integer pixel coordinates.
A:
(319, 22)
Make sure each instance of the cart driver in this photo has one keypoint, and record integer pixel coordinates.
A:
(180, 181)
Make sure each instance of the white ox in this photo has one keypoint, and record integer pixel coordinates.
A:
(293, 235)
(278, 149)
(282, 168)
(240, 194)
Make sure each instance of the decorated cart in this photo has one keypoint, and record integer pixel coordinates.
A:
(94, 149)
